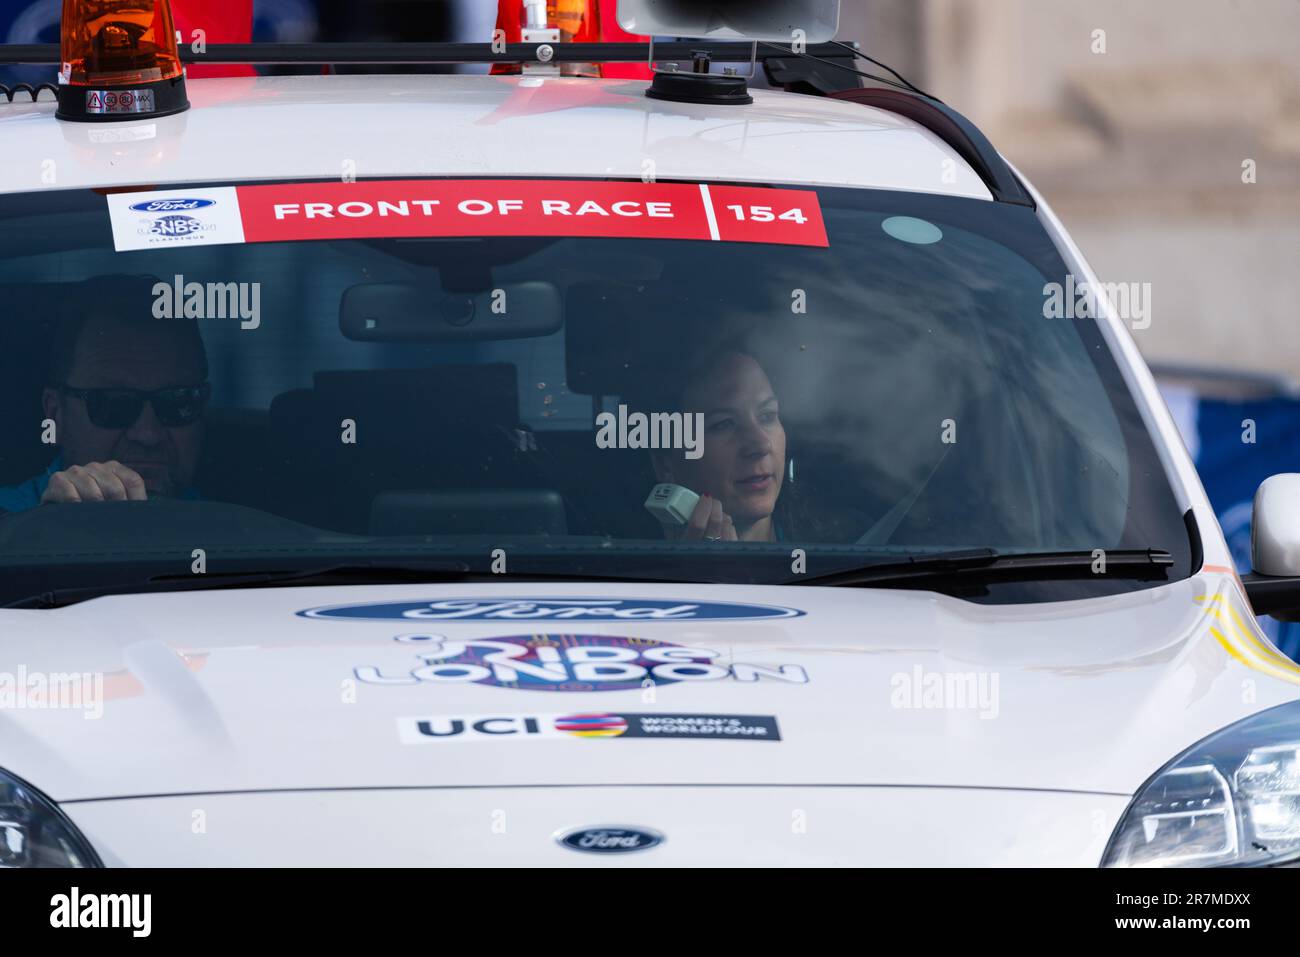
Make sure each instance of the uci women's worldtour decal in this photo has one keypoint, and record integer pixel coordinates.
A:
(568, 663)
(580, 727)
(552, 609)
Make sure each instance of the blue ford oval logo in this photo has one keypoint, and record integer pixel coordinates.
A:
(178, 205)
(552, 609)
(610, 840)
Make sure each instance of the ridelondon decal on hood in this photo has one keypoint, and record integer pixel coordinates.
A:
(552, 609)
(569, 663)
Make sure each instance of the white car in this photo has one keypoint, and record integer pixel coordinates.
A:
(387, 366)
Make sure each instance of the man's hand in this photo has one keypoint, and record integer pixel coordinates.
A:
(96, 482)
(708, 523)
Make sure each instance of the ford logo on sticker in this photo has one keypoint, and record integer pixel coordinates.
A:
(552, 609)
(610, 840)
(178, 205)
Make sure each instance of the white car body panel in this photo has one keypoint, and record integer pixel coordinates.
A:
(212, 691)
(209, 693)
(308, 127)
(235, 705)
(708, 827)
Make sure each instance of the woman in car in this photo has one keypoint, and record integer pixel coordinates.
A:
(741, 471)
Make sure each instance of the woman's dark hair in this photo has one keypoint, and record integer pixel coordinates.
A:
(662, 386)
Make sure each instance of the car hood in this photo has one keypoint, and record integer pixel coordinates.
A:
(527, 685)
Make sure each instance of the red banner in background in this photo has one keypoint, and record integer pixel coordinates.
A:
(231, 21)
(222, 21)
(595, 21)
(611, 32)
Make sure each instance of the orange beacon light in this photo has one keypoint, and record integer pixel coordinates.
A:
(120, 61)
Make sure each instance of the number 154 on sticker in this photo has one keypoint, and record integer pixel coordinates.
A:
(765, 215)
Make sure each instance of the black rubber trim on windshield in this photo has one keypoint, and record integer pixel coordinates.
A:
(1194, 536)
(955, 130)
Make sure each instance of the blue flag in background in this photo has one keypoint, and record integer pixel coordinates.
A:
(1218, 433)
(29, 21)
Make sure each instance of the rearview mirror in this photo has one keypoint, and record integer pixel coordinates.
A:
(419, 312)
(1274, 585)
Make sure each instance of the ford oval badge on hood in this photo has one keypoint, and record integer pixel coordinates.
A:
(552, 609)
(610, 840)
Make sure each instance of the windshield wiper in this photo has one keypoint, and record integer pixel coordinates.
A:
(968, 566)
(365, 573)
(981, 565)
(360, 573)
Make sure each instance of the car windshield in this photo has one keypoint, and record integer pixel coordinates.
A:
(835, 377)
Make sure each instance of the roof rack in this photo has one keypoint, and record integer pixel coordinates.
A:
(946, 123)
(955, 130)
(37, 54)
(8, 93)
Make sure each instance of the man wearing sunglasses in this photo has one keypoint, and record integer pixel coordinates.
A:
(127, 394)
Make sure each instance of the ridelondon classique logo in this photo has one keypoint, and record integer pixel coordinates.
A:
(554, 662)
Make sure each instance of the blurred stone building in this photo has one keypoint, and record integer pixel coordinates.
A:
(1135, 120)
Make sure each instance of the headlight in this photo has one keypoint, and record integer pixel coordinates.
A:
(35, 833)
(1232, 799)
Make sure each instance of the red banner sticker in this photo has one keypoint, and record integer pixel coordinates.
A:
(485, 207)
(747, 214)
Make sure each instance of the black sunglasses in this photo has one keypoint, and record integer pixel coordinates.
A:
(120, 408)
